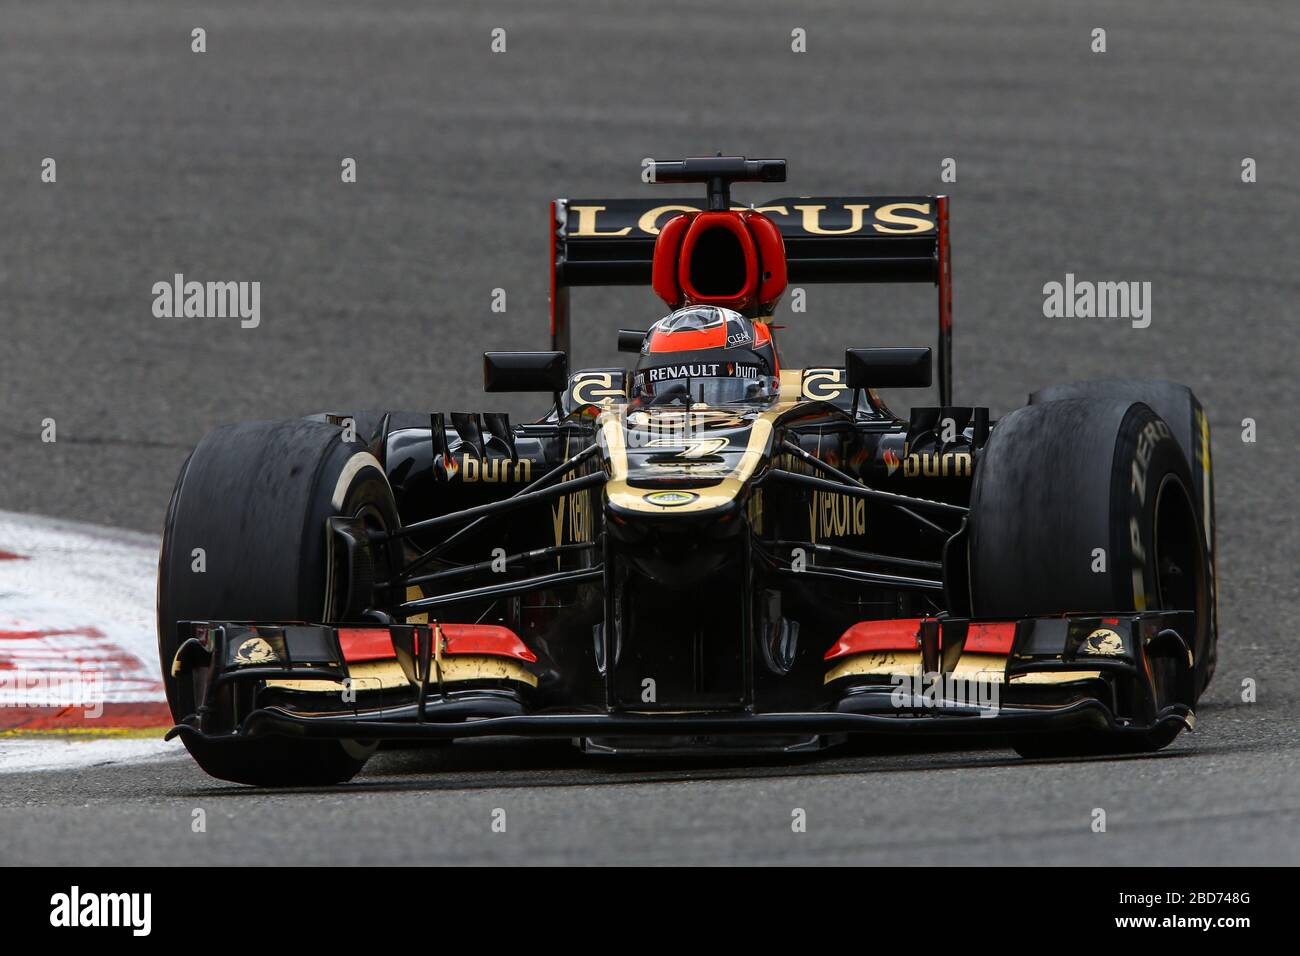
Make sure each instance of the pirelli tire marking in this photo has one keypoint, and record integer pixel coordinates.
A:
(1152, 433)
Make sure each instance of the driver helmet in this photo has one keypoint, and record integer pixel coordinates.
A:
(706, 354)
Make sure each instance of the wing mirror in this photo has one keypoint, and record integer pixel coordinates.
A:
(887, 368)
(525, 372)
(630, 340)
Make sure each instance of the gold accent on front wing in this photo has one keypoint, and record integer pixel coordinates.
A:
(368, 675)
(1054, 677)
(382, 675)
(988, 668)
(484, 667)
(884, 664)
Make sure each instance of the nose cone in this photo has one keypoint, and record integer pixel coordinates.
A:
(679, 486)
(668, 463)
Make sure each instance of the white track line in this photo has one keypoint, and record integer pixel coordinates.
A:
(28, 754)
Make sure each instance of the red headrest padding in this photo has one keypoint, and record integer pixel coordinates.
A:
(667, 247)
(771, 258)
(733, 259)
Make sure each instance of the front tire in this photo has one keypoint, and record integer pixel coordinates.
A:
(1063, 483)
(255, 497)
(1182, 411)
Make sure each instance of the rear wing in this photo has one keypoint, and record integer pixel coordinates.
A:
(610, 242)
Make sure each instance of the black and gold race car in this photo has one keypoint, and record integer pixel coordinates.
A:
(704, 551)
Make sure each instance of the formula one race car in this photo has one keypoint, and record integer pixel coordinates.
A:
(707, 551)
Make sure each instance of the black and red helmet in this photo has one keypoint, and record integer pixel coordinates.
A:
(706, 354)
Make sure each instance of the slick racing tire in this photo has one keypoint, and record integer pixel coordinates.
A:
(255, 497)
(367, 423)
(1191, 427)
(1061, 479)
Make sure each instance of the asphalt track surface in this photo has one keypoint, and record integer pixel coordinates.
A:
(1123, 165)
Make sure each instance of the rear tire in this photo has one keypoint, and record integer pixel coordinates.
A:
(255, 497)
(1056, 482)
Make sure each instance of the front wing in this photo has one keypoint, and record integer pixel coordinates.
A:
(442, 682)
